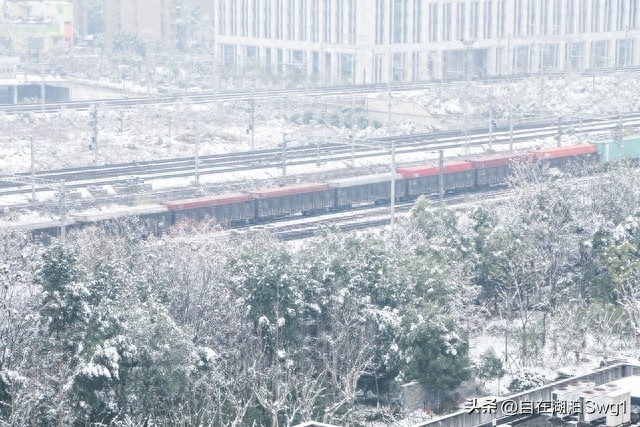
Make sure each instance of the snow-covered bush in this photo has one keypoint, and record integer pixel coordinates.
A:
(525, 379)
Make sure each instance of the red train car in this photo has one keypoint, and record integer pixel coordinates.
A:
(424, 179)
(224, 208)
(494, 170)
(559, 157)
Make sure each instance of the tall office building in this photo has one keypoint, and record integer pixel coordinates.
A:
(374, 41)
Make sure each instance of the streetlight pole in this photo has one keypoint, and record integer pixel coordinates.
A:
(389, 100)
(510, 128)
(393, 183)
(252, 118)
(33, 173)
(284, 154)
(197, 157)
(441, 177)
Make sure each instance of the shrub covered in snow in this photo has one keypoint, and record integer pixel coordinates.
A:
(525, 379)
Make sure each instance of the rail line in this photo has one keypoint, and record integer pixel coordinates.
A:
(310, 154)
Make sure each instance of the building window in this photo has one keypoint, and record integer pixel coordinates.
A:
(500, 19)
(351, 21)
(302, 20)
(531, 17)
(521, 59)
(473, 20)
(620, 17)
(315, 21)
(326, 21)
(544, 17)
(399, 68)
(557, 16)
(517, 17)
(267, 19)
(399, 26)
(380, 21)
(278, 16)
(447, 22)
(433, 22)
(624, 53)
(415, 66)
(486, 27)
(233, 7)
(607, 15)
(549, 57)
(222, 17)
(244, 19)
(595, 16)
(339, 24)
(582, 16)
(417, 21)
(267, 60)
(377, 69)
(461, 21)
(573, 56)
(255, 18)
(599, 54)
(569, 22)
(291, 25)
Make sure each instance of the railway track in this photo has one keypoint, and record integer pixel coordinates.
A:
(372, 217)
(310, 154)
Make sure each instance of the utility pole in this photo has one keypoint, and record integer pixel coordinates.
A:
(620, 138)
(490, 128)
(389, 99)
(33, 173)
(63, 211)
(284, 154)
(441, 177)
(42, 87)
(559, 136)
(197, 157)
(393, 183)
(93, 122)
(252, 119)
(510, 128)
(467, 82)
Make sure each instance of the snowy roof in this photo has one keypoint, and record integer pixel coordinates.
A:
(362, 180)
(118, 212)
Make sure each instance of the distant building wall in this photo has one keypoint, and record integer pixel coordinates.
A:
(375, 41)
(37, 27)
(158, 22)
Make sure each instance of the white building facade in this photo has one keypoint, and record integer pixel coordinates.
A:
(374, 41)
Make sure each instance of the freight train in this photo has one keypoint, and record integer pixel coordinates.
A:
(255, 206)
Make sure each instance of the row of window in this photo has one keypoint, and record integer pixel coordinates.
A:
(417, 21)
(487, 19)
(446, 64)
(327, 21)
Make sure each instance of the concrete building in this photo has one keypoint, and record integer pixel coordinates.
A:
(36, 27)
(159, 22)
(80, 17)
(374, 41)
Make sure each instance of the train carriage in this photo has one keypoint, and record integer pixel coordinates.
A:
(155, 218)
(298, 198)
(494, 170)
(225, 208)
(424, 179)
(559, 157)
(358, 190)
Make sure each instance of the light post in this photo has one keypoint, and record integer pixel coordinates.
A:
(393, 184)
(33, 172)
